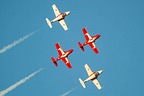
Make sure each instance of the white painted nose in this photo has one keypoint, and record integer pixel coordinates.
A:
(67, 13)
(100, 71)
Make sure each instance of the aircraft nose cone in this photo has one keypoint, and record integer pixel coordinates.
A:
(68, 12)
(100, 71)
(99, 35)
(71, 50)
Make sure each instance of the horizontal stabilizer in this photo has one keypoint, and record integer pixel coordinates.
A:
(81, 46)
(82, 83)
(49, 23)
(54, 61)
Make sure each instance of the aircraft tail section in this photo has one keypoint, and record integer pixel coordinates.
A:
(82, 83)
(54, 61)
(81, 46)
(49, 22)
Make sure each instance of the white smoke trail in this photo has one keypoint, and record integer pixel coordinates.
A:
(68, 92)
(2, 93)
(4, 49)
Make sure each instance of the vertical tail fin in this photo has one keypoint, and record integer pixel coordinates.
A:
(81, 46)
(82, 83)
(49, 23)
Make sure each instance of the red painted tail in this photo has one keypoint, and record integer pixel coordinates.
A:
(81, 46)
(54, 61)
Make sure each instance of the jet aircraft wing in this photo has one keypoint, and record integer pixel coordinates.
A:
(89, 71)
(86, 34)
(96, 83)
(55, 9)
(59, 49)
(66, 61)
(93, 46)
(63, 24)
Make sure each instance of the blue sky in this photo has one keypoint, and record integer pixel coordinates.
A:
(121, 48)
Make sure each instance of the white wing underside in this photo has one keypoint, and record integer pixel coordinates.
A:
(89, 71)
(57, 12)
(55, 9)
(63, 24)
(96, 83)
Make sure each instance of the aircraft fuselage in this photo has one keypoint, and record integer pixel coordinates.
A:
(94, 75)
(67, 53)
(61, 16)
(93, 39)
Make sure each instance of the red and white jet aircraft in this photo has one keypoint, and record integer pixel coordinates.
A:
(89, 40)
(92, 76)
(59, 17)
(63, 55)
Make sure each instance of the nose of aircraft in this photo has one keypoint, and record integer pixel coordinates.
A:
(100, 71)
(98, 35)
(71, 50)
(67, 13)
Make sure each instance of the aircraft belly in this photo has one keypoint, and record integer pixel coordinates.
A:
(54, 20)
(90, 78)
(57, 19)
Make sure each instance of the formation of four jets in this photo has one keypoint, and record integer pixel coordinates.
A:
(63, 55)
